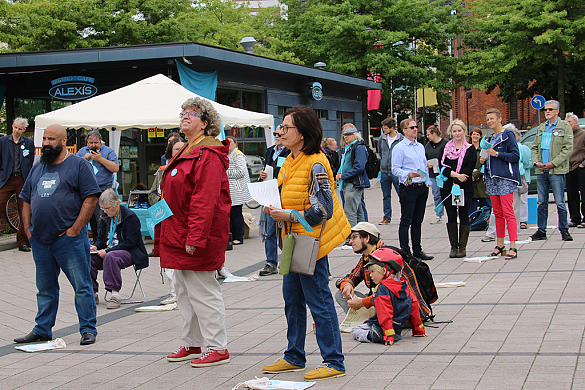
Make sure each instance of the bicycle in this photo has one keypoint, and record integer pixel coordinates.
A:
(11, 212)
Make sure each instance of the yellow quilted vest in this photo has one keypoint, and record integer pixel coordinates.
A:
(294, 177)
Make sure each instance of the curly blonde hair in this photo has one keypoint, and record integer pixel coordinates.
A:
(207, 112)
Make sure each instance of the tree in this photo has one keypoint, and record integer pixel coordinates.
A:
(405, 41)
(525, 47)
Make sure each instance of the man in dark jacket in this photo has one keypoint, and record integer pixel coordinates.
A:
(387, 141)
(17, 157)
(353, 175)
(275, 156)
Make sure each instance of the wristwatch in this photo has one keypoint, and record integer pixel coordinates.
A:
(497, 154)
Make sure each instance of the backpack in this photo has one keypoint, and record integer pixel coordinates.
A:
(373, 163)
(480, 219)
(420, 281)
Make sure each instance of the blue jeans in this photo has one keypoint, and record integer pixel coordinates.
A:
(544, 182)
(270, 242)
(70, 254)
(436, 195)
(413, 200)
(386, 182)
(364, 210)
(300, 291)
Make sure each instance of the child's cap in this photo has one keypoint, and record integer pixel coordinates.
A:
(387, 257)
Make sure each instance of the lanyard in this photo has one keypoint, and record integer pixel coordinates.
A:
(113, 226)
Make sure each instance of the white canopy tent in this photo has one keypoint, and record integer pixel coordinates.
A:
(152, 102)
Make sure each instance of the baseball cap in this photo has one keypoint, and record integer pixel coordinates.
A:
(366, 227)
(350, 130)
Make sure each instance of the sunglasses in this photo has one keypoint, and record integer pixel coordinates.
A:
(412, 127)
(550, 109)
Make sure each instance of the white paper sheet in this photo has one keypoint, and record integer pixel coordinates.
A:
(269, 172)
(435, 163)
(266, 193)
(170, 306)
(53, 344)
(449, 284)
(479, 259)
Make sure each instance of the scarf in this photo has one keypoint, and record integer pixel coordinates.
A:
(452, 153)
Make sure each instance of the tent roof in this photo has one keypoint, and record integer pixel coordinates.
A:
(152, 102)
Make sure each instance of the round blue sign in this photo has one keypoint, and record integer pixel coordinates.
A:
(537, 102)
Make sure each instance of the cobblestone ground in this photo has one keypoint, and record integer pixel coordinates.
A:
(516, 324)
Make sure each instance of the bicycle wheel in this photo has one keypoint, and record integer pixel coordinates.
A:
(11, 212)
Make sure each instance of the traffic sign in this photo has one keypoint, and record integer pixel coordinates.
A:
(537, 102)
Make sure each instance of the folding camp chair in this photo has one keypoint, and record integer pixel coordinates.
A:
(129, 299)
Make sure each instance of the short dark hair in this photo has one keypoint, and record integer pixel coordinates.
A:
(308, 124)
(373, 239)
(390, 122)
(232, 138)
(434, 130)
(174, 134)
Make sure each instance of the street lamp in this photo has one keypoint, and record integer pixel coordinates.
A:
(467, 97)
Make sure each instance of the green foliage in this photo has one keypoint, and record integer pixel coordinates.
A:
(405, 41)
(526, 47)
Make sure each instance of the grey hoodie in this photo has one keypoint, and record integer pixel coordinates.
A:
(385, 151)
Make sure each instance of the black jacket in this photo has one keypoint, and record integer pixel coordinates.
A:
(129, 236)
(467, 168)
(268, 158)
(7, 157)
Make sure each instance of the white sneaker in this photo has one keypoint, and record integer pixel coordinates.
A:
(171, 298)
(225, 273)
(436, 221)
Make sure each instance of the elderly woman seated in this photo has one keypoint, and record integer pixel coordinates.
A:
(118, 245)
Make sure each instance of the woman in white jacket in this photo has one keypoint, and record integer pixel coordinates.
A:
(239, 178)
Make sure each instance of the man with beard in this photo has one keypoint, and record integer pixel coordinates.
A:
(364, 239)
(105, 163)
(59, 197)
(16, 160)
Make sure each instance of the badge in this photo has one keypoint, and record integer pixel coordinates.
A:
(174, 172)
(25, 152)
(22, 146)
(556, 133)
(280, 161)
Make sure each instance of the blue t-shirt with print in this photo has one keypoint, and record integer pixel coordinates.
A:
(55, 194)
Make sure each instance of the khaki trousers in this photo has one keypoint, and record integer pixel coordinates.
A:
(201, 304)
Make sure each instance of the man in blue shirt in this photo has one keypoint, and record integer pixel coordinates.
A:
(59, 196)
(408, 159)
(551, 150)
(275, 156)
(105, 163)
(16, 160)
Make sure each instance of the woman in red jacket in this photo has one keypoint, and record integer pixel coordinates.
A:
(193, 240)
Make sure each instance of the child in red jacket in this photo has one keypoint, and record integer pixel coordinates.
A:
(392, 299)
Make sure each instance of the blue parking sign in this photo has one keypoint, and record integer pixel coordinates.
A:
(537, 102)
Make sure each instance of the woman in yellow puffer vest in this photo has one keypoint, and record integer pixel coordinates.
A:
(305, 182)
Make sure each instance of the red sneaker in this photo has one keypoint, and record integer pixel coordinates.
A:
(211, 358)
(185, 353)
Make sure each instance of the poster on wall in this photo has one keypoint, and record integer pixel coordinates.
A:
(152, 133)
(160, 133)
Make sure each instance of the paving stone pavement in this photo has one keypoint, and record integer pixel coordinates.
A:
(516, 324)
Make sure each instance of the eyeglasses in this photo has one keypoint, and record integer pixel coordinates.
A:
(550, 109)
(189, 115)
(354, 236)
(285, 129)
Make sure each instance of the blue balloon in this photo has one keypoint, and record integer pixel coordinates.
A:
(456, 190)
(484, 144)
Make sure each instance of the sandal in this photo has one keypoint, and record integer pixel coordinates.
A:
(523, 225)
(501, 251)
(510, 257)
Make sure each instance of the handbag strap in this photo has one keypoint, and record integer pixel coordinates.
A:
(322, 228)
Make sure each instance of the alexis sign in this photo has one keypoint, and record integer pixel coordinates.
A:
(73, 88)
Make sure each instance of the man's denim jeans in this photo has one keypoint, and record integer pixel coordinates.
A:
(544, 182)
(386, 182)
(436, 195)
(270, 242)
(300, 291)
(70, 254)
